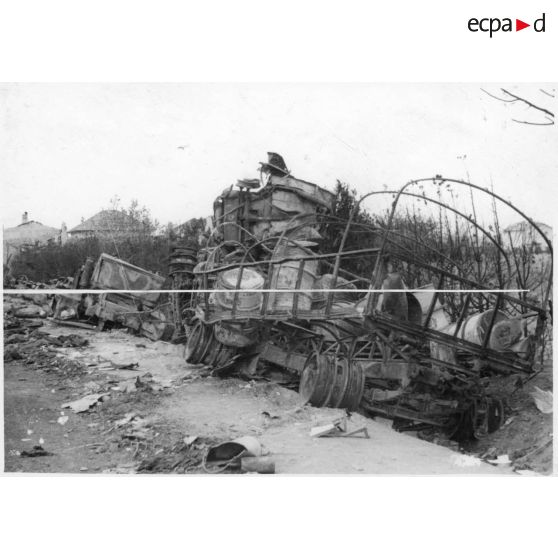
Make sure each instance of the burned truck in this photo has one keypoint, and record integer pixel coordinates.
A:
(130, 297)
(416, 312)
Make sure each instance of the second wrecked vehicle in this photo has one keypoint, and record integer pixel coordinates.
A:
(131, 298)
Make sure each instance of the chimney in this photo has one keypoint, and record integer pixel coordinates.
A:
(63, 234)
(24, 218)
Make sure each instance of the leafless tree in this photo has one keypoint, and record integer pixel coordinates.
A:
(544, 117)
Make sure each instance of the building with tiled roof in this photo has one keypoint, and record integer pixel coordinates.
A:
(107, 223)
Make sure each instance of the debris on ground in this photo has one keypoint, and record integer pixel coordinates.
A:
(543, 400)
(111, 365)
(11, 353)
(122, 469)
(69, 323)
(524, 461)
(263, 465)
(129, 417)
(85, 403)
(72, 340)
(92, 387)
(30, 312)
(179, 458)
(462, 460)
(37, 451)
(501, 460)
(227, 455)
(338, 429)
(138, 428)
(525, 434)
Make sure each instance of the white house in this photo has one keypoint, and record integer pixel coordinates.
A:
(29, 233)
(523, 234)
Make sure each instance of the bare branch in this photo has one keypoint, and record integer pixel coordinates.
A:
(528, 103)
(548, 123)
(513, 98)
(499, 98)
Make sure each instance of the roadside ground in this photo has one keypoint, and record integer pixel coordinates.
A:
(156, 414)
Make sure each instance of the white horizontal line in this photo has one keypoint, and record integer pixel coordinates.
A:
(231, 291)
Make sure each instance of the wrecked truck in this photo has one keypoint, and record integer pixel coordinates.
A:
(131, 298)
(441, 313)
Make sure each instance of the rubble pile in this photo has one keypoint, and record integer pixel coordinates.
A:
(28, 306)
(22, 282)
(24, 341)
(180, 457)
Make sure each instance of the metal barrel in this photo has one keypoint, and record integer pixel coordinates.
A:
(226, 285)
(504, 332)
(286, 276)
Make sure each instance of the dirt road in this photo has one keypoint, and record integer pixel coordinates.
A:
(148, 411)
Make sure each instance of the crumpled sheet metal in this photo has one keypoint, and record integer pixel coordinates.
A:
(228, 454)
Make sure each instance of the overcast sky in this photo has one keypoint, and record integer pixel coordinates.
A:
(67, 149)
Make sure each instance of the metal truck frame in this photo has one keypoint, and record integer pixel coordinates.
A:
(366, 355)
